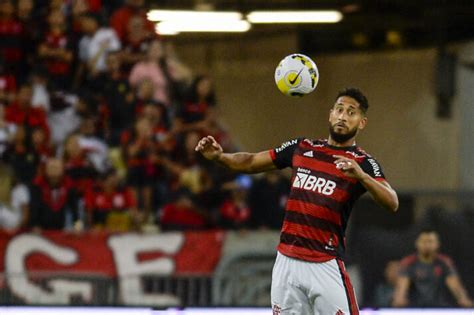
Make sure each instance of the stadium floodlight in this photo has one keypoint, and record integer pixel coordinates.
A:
(188, 15)
(176, 27)
(275, 17)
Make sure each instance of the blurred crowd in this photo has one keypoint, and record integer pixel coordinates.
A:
(98, 123)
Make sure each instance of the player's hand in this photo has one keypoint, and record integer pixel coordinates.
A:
(400, 302)
(209, 148)
(349, 167)
(465, 302)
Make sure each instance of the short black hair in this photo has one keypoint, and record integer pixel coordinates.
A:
(356, 94)
(427, 230)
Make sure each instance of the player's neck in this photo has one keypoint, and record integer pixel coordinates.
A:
(348, 143)
(427, 259)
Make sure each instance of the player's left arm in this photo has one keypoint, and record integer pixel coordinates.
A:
(375, 183)
(457, 290)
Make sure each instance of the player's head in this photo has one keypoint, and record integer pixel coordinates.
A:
(348, 115)
(427, 243)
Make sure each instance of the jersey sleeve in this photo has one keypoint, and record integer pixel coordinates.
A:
(282, 156)
(406, 267)
(373, 168)
(448, 266)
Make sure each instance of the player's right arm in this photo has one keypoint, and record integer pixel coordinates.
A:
(242, 162)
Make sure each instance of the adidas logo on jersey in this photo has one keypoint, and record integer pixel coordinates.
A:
(313, 183)
(308, 154)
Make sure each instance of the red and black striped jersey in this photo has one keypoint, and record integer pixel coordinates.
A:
(321, 197)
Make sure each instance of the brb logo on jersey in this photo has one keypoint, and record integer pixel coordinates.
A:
(304, 180)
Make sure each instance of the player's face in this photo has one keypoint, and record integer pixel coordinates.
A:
(427, 244)
(346, 119)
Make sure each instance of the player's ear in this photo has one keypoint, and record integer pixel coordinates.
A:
(363, 122)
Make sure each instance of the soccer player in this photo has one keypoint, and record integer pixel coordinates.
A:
(426, 277)
(329, 175)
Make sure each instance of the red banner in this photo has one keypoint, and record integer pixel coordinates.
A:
(127, 257)
(191, 252)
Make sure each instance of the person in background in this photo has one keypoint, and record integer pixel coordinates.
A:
(94, 147)
(7, 132)
(267, 200)
(139, 152)
(94, 46)
(182, 213)
(198, 111)
(120, 19)
(119, 99)
(77, 166)
(8, 84)
(144, 93)
(155, 69)
(13, 40)
(427, 277)
(383, 296)
(110, 204)
(138, 42)
(235, 213)
(15, 215)
(21, 157)
(54, 202)
(55, 50)
(21, 112)
(41, 89)
(31, 22)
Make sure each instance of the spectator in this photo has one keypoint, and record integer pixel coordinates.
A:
(41, 145)
(12, 45)
(139, 151)
(197, 112)
(158, 117)
(234, 211)
(65, 116)
(95, 148)
(119, 99)
(182, 213)
(55, 50)
(187, 166)
(267, 199)
(426, 277)
(41, 96)
(16, 214)
(384, 291)
(121, 18)
(53, 199)
(21, 112)
(138, 42)
(7, 84)
(144, 95)
(97, 42)
(21, 156)
(7, 132)
(76, 165)
(25, 10)
(111, 205)
(155, 69)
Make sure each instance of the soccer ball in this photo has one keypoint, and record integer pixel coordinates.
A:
(296, 75)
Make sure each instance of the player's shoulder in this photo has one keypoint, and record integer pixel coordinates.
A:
(287, 144)
(362, 153)
(445, 259)
(408, 260)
